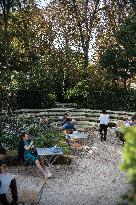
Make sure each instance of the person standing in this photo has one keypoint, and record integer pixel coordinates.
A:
(104, 120)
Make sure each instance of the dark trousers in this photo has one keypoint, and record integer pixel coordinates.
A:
(103, 131)
(3, 197)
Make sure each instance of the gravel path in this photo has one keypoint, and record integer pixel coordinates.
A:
(97, 181)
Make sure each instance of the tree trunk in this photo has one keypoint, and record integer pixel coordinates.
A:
(85, 63)
(125, 82)
(5, 17)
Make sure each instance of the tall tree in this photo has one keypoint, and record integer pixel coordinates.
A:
(81, 19)
(112, 16)
(24, 44)
(119, 61)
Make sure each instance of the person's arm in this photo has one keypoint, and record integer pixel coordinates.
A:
(29, 146)
(100, 117)
(14, 193)
(108, 119)
(64, 127)
(65, 132)
(74, 128)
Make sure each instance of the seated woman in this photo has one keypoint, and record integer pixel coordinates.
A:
(7, 181)
(30, 154)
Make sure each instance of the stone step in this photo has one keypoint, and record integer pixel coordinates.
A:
(72, 111)
(85, 126)
(76, 114)
(88, 118)
(61, 114)
(85, 122)
(65, 105)
(43, 110)
(83, 117)
(94, 118)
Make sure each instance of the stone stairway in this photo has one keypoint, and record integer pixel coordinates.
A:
(82, 118)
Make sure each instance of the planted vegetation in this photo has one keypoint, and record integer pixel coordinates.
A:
(43, 135)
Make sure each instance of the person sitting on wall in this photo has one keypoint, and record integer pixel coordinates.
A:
(68, 126)
(7, 181)
(30, 154)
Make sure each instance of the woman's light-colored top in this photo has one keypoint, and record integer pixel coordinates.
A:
(5, 182)
(104, 119)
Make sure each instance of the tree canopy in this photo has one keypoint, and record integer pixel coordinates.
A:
(47, 48)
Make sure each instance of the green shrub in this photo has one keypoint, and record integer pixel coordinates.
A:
(129, 164)
(35, 99)
(109, 99)
(38, 130)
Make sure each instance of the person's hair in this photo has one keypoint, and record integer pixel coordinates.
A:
(104, 111)
(2, 150)
(68, 119)
(134, 117)
(23, 135)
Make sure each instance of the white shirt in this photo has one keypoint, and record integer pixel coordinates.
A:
(5, 182)
(104, 119)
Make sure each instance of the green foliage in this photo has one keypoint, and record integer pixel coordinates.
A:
(28, 57)
(111, 99)
(126, 34)
(50, 139)
(43, 136)
(130, 152)
(119, 60)
(129, 164)
(34, 98)
(116, 62)
(11, 129)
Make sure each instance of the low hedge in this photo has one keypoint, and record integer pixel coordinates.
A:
(26, 99)
(34, 99)
(109, 99)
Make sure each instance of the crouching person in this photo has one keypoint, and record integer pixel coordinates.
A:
(7, 181)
